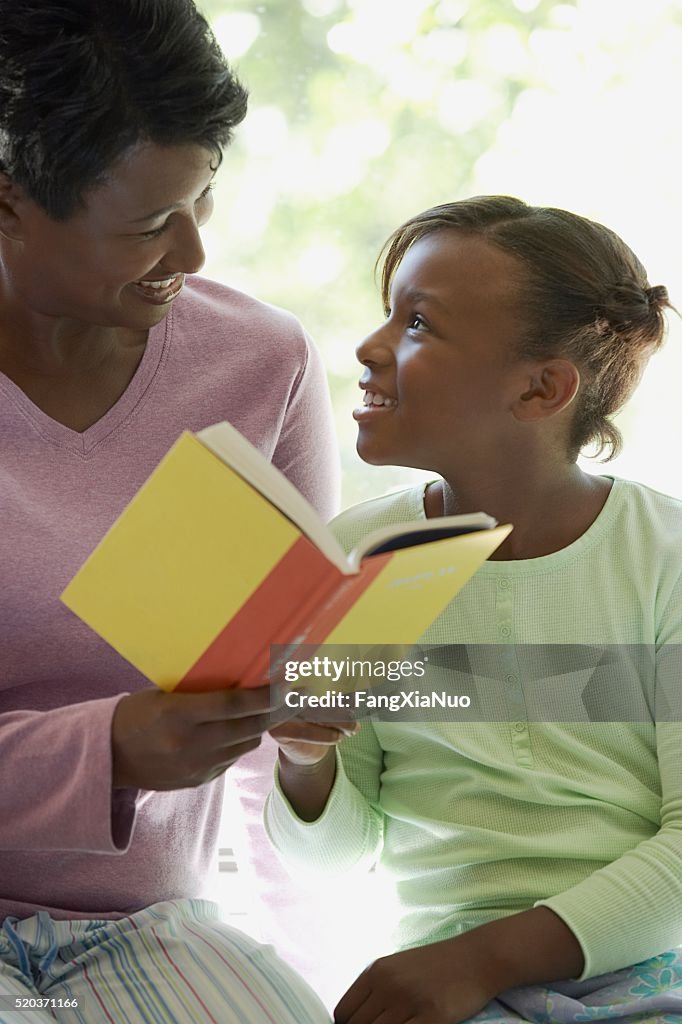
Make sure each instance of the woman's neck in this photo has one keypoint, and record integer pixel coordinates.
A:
(46, 346)
(548, 513)
(74, 373)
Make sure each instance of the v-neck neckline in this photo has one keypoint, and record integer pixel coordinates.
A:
(84, 442)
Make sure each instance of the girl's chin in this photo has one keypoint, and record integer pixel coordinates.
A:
(373, 455)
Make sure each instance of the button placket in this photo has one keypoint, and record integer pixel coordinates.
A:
(517, 715)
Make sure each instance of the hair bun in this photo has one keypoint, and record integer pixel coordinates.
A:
(629, 301)
(657, 297)
(624, 303)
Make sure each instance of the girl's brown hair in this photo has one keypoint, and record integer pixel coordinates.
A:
(586, 298)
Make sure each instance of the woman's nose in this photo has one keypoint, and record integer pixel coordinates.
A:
(187, 253)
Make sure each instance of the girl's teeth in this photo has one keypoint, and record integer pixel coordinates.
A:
(370, 398)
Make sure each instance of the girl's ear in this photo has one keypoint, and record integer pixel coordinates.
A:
(551, 388)
(10, 219)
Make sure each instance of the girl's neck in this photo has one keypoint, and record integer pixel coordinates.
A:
(547, 514)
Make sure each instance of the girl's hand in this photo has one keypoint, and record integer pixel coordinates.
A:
(305, 743)
(307, 763)
(451, 981)
(437, 984)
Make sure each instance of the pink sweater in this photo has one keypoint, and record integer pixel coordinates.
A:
(69, 844)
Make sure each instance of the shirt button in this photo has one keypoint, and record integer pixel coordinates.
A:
(513, 680)
(505, 584)
(505, 631)
(519, 727)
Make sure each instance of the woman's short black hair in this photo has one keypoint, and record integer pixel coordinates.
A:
(82, 81)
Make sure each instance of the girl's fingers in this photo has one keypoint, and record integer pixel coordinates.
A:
(296, 731)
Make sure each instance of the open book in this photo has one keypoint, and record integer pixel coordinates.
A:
(218, 557)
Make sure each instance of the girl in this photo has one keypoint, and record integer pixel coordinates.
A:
(525, 852)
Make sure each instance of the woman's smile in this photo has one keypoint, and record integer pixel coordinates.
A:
(159, 292)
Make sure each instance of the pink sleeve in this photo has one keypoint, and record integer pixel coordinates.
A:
(61, 797)
(307, 450)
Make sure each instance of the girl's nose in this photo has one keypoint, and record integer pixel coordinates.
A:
(376, 349)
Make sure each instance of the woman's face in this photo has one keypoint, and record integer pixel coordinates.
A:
(120, 260)
(441, 374)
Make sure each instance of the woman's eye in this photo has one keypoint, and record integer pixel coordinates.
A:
(157, 232)
(205, 194)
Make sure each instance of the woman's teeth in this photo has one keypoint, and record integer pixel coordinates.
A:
(158, 285)
(370, 398)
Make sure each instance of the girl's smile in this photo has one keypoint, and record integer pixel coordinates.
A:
(373, 401)
(442, 371)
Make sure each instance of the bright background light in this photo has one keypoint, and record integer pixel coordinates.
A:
(364, 112)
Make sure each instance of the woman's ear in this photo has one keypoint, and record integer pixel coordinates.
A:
(10, 209)
(551, 388)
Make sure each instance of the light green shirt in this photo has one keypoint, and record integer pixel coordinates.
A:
(475, 820)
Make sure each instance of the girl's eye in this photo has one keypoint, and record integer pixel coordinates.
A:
(417, 323)
(157, 232)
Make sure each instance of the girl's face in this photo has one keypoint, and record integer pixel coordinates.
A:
(444, 360)
(140, 229)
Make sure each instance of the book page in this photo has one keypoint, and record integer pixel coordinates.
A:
(406, 535)
(233, 449)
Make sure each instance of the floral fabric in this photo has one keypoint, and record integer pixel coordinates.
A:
(650, 991)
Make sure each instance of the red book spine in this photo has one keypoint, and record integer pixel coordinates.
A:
(292, 587)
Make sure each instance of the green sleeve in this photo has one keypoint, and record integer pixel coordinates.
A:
(631, 909)
(348, 834)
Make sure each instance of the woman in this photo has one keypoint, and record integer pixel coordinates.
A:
(113, 117)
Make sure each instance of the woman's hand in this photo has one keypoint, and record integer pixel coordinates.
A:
(437, 984)
(177, 740)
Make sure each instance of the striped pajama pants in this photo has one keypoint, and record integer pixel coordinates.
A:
(173, 963)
